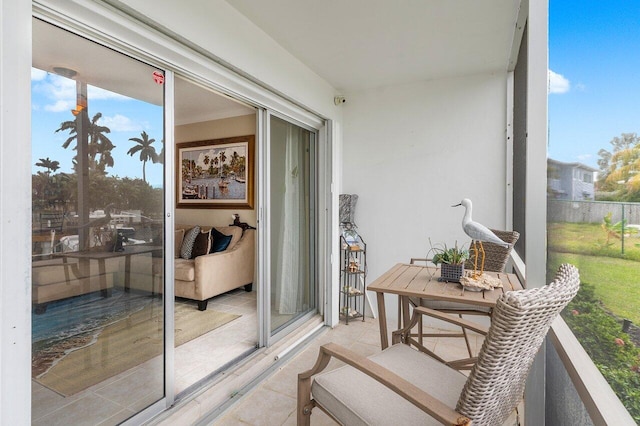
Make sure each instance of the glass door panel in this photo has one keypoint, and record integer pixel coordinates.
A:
(97, 238)
(292, 203)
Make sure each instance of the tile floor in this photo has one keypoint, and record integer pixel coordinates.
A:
(273, 402)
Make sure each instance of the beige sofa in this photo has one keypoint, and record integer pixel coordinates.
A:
(206, 276)
(212, 274)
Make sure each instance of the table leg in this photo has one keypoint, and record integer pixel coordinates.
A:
(102, 270)
(382, 318)
(405, 310)
(127, 273)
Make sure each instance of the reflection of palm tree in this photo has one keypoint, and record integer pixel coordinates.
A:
(48, 164)
(102, 221)
(96, 225)
(98, 143)
(147, 152)
(161, 155)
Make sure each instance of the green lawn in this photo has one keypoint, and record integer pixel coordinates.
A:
(616, 277)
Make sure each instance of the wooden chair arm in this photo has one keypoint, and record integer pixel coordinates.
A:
(397, 384)
(447, 317)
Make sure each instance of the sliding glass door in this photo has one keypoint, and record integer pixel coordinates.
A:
(98, 321)
(292, 163)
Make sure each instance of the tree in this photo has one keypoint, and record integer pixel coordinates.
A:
(223, 158)
(48, 164)
(619, 169)
(207, 161)
(98, 143)
(147, 152)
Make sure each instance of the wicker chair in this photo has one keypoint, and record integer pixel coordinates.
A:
(403, 386)
(496, 258)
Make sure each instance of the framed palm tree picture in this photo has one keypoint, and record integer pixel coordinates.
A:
(215, 174)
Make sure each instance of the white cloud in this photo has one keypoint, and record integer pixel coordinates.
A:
(120, 123)
(558, 83)
(61, 92)
(38, 75)
(584, 157)
(56, 88)
(60, 105)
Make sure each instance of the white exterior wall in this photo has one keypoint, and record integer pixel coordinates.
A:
(410, 152)
(15, 212)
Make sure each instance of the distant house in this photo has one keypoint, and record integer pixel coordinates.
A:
(570, 181)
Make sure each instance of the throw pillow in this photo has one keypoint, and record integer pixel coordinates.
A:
(202, 245)
(219, 241)
(188, 241)
(178, 242)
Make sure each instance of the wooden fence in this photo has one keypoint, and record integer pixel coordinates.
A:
(592, 211)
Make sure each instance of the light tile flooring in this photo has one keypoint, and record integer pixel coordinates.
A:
(273, 402)
(200, 357)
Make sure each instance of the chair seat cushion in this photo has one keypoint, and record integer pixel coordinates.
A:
(354, 398)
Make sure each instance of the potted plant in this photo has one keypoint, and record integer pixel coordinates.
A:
(451, 261)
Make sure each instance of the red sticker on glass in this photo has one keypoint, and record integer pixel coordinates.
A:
(158, 77)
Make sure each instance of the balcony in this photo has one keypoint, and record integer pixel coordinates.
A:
(576, 391)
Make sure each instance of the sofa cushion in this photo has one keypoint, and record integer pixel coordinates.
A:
(178, 242)
(187, 244)
(202, 245)
(185, 270)
(234, 231)
(220, 241)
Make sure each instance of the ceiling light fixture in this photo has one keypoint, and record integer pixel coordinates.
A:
(65, 72)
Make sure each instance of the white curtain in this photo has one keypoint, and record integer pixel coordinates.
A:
(289, 291)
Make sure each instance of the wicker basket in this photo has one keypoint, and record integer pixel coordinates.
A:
(451, 273)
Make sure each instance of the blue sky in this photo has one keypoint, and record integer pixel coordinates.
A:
(52, 99)
(594, 62)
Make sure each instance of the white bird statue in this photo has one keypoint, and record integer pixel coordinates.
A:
(478, 234)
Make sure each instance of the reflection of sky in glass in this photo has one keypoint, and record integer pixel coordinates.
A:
(53, 97)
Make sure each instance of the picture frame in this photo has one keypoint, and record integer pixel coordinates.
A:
(215, 174)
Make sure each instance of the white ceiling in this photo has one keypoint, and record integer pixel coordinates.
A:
(353, 44)
(358, 44)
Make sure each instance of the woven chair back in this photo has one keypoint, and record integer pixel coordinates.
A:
(519, 325)
(495, 258)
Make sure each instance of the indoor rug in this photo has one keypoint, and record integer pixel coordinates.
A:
(90, 358)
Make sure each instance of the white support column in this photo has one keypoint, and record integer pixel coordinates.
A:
(536, 185)
(15, 212)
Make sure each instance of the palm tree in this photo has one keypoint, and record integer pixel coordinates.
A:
(48, 164)
(147, 152)
(206, 162)
(99, 143)
(223, 158)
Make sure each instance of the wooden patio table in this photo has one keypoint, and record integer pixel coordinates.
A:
(417, 281)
